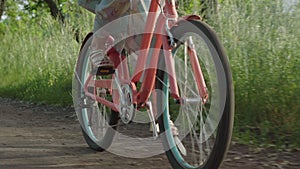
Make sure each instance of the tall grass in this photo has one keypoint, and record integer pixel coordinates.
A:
(262, 42)
(37, 60)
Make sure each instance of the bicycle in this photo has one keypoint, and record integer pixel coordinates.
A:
(184, 60)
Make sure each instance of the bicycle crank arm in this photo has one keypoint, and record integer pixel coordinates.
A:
(118, 84)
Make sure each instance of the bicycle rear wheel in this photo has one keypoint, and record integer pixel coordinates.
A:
(204, 128)
(98, 122)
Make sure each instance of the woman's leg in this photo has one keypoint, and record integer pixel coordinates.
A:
(106, 12)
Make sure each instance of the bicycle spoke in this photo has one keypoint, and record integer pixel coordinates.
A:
(195, 136)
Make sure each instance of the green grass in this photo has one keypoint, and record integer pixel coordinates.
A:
(263, 46)
(37, 61)
(262, 42)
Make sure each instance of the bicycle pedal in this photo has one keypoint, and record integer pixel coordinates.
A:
(105, 70)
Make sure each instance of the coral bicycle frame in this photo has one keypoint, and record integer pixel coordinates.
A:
(156, 27)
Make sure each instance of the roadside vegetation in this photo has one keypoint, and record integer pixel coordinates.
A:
(262, 42)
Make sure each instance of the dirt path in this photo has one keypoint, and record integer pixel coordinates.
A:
(33, 136)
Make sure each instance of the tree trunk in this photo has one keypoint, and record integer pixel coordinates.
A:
(2, 7)
(55, 12)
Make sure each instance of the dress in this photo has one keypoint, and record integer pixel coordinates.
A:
(106, 10)
(110, 17)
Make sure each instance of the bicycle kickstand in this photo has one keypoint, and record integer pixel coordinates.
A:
(152, 119)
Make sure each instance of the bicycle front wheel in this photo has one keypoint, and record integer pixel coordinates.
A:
(204, 128)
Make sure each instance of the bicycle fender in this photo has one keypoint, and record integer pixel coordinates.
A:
(190, 17)
(85, 39)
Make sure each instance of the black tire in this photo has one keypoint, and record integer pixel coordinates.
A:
(89, 112)
(209, 151)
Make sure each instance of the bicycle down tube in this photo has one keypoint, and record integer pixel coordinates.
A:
(161, 37)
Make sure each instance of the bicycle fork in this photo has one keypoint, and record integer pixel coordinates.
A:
(200, 81)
